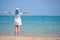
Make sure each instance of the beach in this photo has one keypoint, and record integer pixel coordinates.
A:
(33, 28)
(27, 38)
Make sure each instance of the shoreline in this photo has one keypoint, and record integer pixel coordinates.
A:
(27, 38)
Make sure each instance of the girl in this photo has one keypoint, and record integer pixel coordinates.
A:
(17, 20)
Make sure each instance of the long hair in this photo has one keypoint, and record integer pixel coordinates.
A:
(17, 12)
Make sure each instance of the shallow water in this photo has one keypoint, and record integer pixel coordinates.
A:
(32, 25)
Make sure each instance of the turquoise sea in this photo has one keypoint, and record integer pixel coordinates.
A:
(48, 26)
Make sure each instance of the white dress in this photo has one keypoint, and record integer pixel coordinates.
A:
(17, 20)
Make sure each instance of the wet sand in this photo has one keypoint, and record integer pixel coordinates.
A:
(27, 38)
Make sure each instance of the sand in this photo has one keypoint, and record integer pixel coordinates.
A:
(27, 38)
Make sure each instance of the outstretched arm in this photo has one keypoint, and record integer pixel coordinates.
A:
(26, 12)
(8, 12)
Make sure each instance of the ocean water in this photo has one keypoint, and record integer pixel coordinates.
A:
(48, 26)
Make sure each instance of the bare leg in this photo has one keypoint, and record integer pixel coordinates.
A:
(17, 30)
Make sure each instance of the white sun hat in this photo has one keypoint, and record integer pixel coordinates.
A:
(17, 8)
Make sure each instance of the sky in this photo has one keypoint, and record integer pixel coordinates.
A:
(35, 7)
